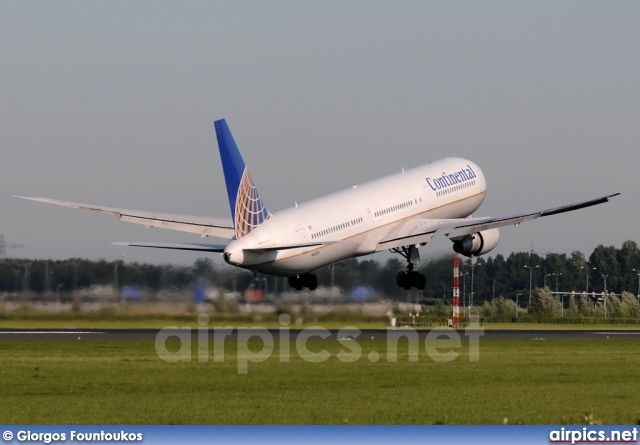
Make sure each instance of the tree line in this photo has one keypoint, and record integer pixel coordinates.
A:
(481, 279)
(607, 268)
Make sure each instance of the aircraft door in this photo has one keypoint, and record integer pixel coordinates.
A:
(302, 235)
(428, 198)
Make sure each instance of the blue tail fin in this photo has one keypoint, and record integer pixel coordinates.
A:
(247, 209)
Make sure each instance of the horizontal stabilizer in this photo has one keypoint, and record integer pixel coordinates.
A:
(175, 246)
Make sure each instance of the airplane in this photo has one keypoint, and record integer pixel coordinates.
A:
(400, 213)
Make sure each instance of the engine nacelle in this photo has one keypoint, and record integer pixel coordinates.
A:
(477, 243)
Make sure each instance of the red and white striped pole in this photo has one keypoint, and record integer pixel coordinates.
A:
(456, 293)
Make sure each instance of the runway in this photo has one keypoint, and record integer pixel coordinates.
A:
(312, 333)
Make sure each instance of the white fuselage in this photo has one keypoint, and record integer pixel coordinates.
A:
(359, 217)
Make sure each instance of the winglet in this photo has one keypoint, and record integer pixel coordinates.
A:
(247, 209)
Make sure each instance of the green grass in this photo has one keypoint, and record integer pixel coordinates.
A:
(124, 382)
(160, 323)
(191, 321)
(561, 327)
(144, 316)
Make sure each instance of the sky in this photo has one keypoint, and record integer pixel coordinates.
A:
(113, 102)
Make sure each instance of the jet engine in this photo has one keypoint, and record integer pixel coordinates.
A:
(477, 243)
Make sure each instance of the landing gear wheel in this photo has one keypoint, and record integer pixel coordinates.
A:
(407, 283)
(413, 278)
(311, 281)
(300, 282)
(295, 282)
(410, 278)
(422, 282)
(418, 280)
(400, 278)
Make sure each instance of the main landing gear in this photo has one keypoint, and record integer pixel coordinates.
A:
(301, 281)
(410, 278)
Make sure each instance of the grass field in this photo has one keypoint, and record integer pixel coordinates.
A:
(125, 382)
(151, 317)
(159, 323)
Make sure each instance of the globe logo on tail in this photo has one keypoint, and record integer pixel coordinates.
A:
(250, 210)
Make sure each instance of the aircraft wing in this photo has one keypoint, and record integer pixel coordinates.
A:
(421, 230)
(409, 232)
(204, 226)
(176, 246)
